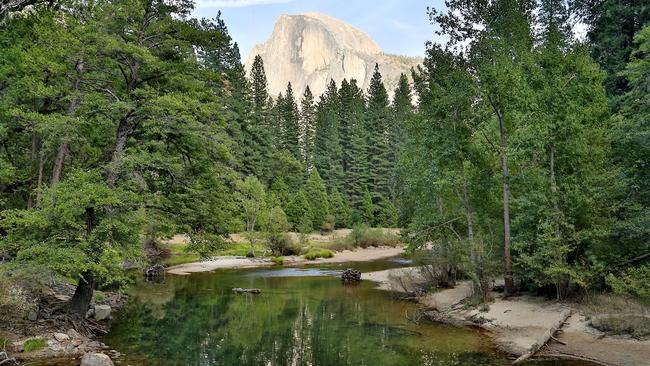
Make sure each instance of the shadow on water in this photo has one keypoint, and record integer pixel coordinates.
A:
(304, 316)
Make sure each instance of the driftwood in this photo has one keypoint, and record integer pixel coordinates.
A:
(544, 338)
(240, 290)
(573, 357)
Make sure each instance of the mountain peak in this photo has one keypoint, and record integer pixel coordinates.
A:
(312, 48)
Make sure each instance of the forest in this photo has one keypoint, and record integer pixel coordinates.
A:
(516, 150)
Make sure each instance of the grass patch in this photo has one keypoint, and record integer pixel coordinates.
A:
(364, 237)
(618, 315)
(314, 253)
(34, 344)
(181, 258)
(278, 260)
(98, 296)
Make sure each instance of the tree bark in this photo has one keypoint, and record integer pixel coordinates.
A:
(30, 198)
(72, 108)
(83, 294)
(507, 259)
(123, 131)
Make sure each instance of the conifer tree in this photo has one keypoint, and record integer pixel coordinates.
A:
(289, 123)
(377, 126)
(308, 128)
(354, 137)
(299, 213)
(327, 144)
(317, 195)
(402, 112)
(259, 83)
(340, 208)
(366, 209)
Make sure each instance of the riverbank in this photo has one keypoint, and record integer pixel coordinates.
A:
(359, 255)
(519, 325)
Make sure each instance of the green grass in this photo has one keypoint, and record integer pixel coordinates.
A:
(181, 258)
(98, 296)
(178, 255)
(34, 344)
(314, 253)
(278, 260)
(364, 237)
(241, 249)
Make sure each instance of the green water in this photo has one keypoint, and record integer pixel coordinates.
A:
(302, 317)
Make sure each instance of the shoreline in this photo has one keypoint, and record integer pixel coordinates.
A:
(518, 324)
(360, 255)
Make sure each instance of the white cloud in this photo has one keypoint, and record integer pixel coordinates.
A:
(236, 3)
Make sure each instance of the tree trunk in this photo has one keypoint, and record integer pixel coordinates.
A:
(507, 259)
(83, 294)
(30, 198)
(72, 108)
(123, 131)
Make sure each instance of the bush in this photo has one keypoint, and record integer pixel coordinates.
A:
(34, 344)
(633, 281)
(278, 260)
(364, 237)
(281, 244)
(19, 290)
(314, 253)
(328, 225)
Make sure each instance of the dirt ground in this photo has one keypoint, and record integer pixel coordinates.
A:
(359, 255)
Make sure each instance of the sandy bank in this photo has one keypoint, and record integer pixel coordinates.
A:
(517, 323)
(359, 255)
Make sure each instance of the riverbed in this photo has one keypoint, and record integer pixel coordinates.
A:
(304, 316)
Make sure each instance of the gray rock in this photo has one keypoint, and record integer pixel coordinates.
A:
(102, 312)
(90, 313)
(61, 337)
(310, 49)
(73, 334)
(96, 359)
(32, 316)
(55, 346)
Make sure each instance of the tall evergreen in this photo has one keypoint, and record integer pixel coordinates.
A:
(327, 144)
(307, 127)
(402, 111)
(289, 123)
(317, 196)
(377, 126)
(354, 136)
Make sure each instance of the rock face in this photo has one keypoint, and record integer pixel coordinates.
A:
(96, 359)
(310, 49)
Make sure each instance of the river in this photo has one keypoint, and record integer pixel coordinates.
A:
(304, 316)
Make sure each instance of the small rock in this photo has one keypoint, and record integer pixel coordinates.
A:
(54, 345)
(90, 313)
(102, 312)
(18, 346)
(76, 342)
(61, 337)
(73, 334)
(32, 316)
(96, 359)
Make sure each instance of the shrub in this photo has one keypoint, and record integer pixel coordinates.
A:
(278, 260)
(328, 225)
(314, 253)
(34, 344)
(633, 281)
(281, 244)
(19, 290)
(364, 237)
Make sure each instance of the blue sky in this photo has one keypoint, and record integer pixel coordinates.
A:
(398, 26)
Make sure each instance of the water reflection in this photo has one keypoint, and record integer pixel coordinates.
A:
(197, 320)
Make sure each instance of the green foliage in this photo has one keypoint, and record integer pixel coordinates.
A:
(633, 281)
(317, 196)
(363, 236)
(278, 261)
(366, 209)
(34, 344)
(388, 215)
(340, 209)
(299, 213)
(314, 253)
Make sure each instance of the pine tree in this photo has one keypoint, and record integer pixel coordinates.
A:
(299, 213)
(402, 112)
(366, 209)
(290, 123)
(259, 83)
(317, 196)
(340, 208)
(355, 136)
(377, 127)
(308, 128)
(327, 144)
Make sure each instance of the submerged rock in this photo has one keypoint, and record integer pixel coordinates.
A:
(246, 290)
(96, 359)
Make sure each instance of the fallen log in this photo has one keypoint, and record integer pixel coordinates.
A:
(240, 290)
(544, 338)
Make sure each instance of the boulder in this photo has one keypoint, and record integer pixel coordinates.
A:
(73, 334)
(96, 359)
(61, 337)
(32, 316)
(102, 312)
